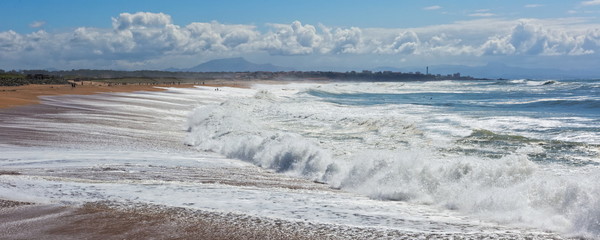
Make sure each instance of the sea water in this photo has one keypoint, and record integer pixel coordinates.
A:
(518, 152)
(456, 157)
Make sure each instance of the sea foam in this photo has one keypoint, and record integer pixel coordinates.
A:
(229, 130)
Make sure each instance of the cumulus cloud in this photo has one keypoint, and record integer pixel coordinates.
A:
(349, 40)
(498, 46)
(527, 38)
(10, 41)
(292, 39)
(145, 35)
(217, 37)
(136, 39)
(404, 43)
(141, 20)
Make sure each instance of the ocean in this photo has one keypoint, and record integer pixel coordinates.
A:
(462, 158)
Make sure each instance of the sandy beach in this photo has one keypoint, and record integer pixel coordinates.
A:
(102, 221)
(25, 220)
(29, 94)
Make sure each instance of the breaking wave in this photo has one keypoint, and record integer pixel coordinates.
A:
(227, 130)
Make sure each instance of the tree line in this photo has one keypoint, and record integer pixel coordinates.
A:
(13, 78)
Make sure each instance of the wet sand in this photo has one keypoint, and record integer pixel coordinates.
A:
(107, 221)
(100, 221)
(28, 94)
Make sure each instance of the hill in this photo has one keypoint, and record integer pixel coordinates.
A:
(232, 65)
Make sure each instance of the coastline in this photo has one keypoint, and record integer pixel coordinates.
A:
(13, 96)
(104, 220)
(133, 220)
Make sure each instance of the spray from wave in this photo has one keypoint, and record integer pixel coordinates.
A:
(227, 130)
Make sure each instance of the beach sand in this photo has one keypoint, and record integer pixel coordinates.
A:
(12, 96)
(99, 221)
(106, 221)
(23, 220)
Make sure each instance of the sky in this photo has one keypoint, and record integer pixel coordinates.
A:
(305, 35)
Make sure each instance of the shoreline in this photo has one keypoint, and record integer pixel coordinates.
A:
(109, 220)
(15, 96)
(126, 219)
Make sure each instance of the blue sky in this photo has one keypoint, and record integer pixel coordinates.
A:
(336, 35)
(65, 14)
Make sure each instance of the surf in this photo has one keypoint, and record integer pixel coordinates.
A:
(392, 152)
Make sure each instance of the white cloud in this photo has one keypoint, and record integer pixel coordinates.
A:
(591, 40)
(141, 20)
(144, 39)
(534, 5)
(292, 39)
(404, 43)
(590, 3)
(528, 38)
(348, 40)
(482, 14)
(37, 24)
(434, 7)
(217, 37)
(10, 41)
(497, 46)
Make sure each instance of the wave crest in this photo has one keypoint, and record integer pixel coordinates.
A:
(235, 135)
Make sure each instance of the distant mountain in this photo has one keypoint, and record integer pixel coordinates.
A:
(231, 65)
(500, 70)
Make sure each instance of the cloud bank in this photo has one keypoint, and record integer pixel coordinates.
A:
(146, 40)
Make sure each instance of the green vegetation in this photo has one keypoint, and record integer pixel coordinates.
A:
(14, 78)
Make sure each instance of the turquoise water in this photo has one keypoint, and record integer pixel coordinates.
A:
(576, 98)
(562, 117)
